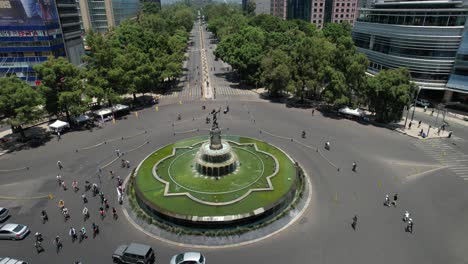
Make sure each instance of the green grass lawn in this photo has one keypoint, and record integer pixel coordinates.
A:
(248, 174)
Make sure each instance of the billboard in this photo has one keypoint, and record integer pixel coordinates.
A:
(27, 12)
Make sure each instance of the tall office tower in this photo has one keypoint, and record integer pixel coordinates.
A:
(103, 15)
(279, 8)
(262, 7)
(32, 30)
(319, 12)
(423, 36)
(458, 80)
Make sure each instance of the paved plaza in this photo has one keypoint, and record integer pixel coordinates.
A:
(428, 176)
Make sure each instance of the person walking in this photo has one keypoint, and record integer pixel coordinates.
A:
(85, 213)
(82, 234)
(395, 198)
(38, 246)
(410, 124)
(59, 165)
(72, 234)
(101, 195)
(95, 230)
(354, 224)
(59, 179)
(409, 227)
(58, 244)
(313, 111)
(95, 189)
(102, 213)
(75, 186)
(106, 204)
(83, 196)
(419, 123)
(354, 166)
(44, 216)
(406, 216)
(387, 200)
(64, 185)
(114, 213)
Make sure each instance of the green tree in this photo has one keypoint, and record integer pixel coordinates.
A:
(19, 103)
(334, 31)
(151, 7)
(251, 8)
(389, 92)
(276, 72)
(62, 87)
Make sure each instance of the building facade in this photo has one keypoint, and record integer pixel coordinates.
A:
(32, 30)
(319, 12)
(103, 15)
(423, 36)
(279, 8)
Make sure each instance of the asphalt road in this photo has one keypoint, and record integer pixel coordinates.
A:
(388, 163)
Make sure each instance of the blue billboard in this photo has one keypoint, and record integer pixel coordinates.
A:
(27, 12)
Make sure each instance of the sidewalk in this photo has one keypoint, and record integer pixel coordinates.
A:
(414, 131)
(450, 117)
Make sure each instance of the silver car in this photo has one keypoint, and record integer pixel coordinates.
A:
(13, 231)
(188, 258)
(4, 213)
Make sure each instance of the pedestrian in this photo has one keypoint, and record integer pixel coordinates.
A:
(38, 236)
(59, 165)
(61, 204)
(432, 113)
(75, 186)
(449, 134)
(112, 174)
(95, 189)
(120, 197)
(409, 227)
(59, 179)
(425, 108)
(354, 166)
(410, 124)
(58, 243)
(83, 196)
(72, 234)
(102, 213)
(64, 185)
(114, 213)
(82, 234)
(117, 151)
(421, 132)
(38, 246)
(406, 216)
(443, 127)
(106, 204)
(58, 136)
(419, 123)
(354, 224)
(44, 216)
(387, 200)
(119, 181)
(313, 111)
(101, 195)
(87, 186)
(395, 198)
(127, 164)
(95, 230)
(85, 213)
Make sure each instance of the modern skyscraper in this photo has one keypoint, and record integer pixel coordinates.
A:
(32, 30)
(423, 36)
(102, 15)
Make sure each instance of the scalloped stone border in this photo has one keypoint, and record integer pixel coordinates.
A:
(166, 184)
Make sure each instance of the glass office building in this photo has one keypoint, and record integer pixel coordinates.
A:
(102, 15)
(32, 30)
(423, 36)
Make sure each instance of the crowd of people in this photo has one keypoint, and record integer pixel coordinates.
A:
(80, 234)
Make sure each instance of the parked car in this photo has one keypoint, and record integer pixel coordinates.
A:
(13, 231)
(4, 213)
(11, 261)
(134, 254)
(188, 258)
(423, 102)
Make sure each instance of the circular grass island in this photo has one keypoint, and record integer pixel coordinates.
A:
(169, 186)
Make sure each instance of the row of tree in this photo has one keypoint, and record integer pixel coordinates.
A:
(296, 57)
(141, 55)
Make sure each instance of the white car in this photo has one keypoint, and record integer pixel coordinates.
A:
(188, 258)
(13, 231)
(11, 261)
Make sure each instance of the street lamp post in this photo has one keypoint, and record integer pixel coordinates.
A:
(414, 103)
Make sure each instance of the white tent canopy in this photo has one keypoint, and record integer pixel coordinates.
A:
(59, 125)
(354, 112)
